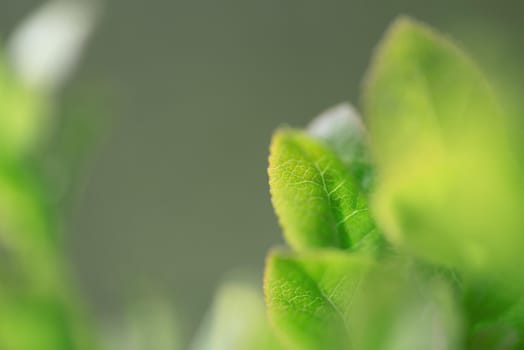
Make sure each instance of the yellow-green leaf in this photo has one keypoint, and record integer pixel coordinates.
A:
(318, 202)
(308, 296)
(447, 185)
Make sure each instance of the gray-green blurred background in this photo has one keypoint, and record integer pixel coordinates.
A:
(176, 195)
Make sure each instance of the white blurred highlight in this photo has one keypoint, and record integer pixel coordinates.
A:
(335, 118)
(45, 47)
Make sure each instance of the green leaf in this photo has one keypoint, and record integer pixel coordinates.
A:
(448, 188)
(41, 321)
(308, 296)
(44, 318)
(485, 300)
(342, 129)
(498, 336)
(318, 202)
(503, 332)
(330, 299)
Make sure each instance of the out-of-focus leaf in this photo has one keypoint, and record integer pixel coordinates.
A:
(28, 231)
(23, 114)
(22, 204)
(318, 202)
(341, 128)
(236, 321)
(39, 310)
(498, 336)
(447, 187)
(34, 323)
(500, 333)
(485, 299)
(309, 296)
(398, 308)
(46, 46)
(150, 323)
(41, 54)
(40, 321)
(490, 45)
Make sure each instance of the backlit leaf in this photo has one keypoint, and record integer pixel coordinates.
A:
(447, 185)
(309, 295)
(318, 202)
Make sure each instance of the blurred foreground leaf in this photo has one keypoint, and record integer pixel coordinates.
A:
(39, 306)
(23, 114)
(236, 321)
(448, 187)
(149, 323)
(397, 307)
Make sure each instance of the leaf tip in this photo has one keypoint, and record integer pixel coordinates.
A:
(404, 35)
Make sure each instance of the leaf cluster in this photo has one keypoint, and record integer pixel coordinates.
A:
(404, 228)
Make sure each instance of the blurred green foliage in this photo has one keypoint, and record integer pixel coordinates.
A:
(23, 113)
(446, 192)
(39, 305)
(236, 319)
(439, 174)
(443, 154)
